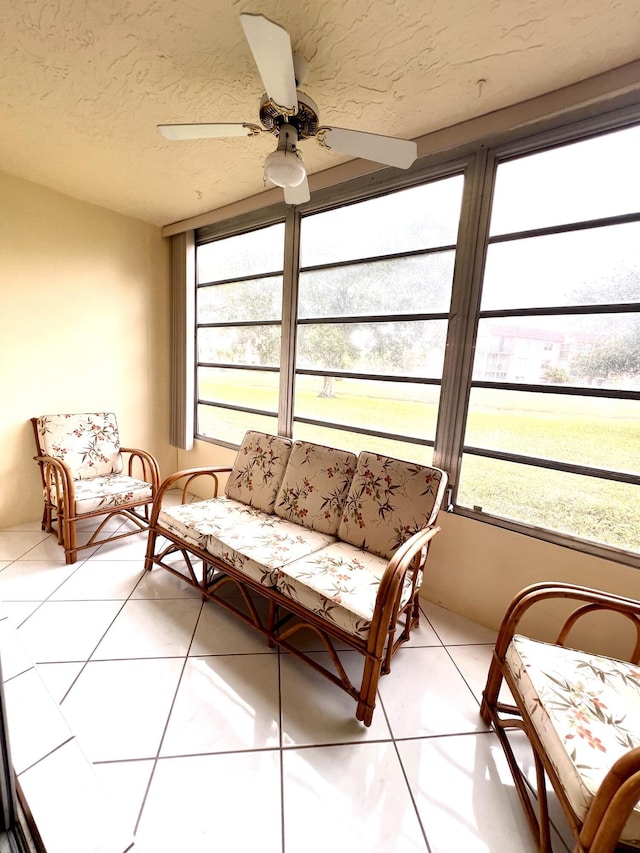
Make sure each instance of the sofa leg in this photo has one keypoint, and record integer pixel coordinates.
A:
(368, 689)
(273, 613)
(364, 713)
(151, 544)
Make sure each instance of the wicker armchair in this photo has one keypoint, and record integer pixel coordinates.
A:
(86, 473)
(581, 714)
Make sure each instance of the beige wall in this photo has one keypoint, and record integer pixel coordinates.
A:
(84, 325)
(476, 568)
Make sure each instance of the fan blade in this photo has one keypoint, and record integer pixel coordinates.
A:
(381, 149)
(297, 195)
(205, 131)
(271, 47)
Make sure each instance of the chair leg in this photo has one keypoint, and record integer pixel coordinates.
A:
(46, 518)
(69, 540)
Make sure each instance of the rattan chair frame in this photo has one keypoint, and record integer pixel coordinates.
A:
(599, 831)
(60, 516)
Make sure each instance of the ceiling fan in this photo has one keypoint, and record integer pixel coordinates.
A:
(292, 116)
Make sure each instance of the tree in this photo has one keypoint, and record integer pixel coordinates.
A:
(556, 376)
(615, 353)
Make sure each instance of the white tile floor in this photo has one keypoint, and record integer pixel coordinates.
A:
(203, 739)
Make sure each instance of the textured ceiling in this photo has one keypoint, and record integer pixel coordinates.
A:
(83, 84)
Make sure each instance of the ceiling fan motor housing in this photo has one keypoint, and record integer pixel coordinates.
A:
(305, 120)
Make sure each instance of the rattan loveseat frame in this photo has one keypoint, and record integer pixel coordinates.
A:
(390, 627)
(599, 830)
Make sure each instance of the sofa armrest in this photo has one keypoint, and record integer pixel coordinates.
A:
(410, 556)
(189, 475)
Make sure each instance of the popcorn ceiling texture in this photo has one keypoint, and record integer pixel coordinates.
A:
(83, 84)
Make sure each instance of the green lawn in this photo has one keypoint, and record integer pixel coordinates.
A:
(596, 432)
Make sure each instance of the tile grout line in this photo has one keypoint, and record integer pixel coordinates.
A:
(166, 725)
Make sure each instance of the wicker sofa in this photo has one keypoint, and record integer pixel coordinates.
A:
(334, 543)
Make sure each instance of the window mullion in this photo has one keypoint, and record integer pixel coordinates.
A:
(463, 318)
(289, 318)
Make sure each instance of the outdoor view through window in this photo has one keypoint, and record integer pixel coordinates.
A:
(351, 350)
(557, 362)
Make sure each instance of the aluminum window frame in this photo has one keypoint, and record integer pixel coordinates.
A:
(514, 149)
(478, 161)
(205, 237)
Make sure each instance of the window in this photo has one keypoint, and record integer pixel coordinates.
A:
(484, 316)
(556, 442)
(238, 332)
(374, 295)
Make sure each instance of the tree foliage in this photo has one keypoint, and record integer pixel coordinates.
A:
(616, 352)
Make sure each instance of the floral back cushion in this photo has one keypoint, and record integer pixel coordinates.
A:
(258, 470)
(88, 443)
(315, 486)
(389, 500)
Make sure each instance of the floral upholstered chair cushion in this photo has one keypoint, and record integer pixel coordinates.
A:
(586, 711)
(258, 470)
(389, 500)
(88, 443)
(315, 486)
(108, 492)
(340, 583)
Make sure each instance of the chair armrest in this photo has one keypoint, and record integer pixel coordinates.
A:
(591, 600)
(410, 556)
(616, 798)
(150, 469)
(189, 475)
(57, 473)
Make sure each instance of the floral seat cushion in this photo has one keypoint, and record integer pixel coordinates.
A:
(259, 547)
(258, 470)
(340, 583)
(586, 711)
(315, 486)
(196, 521)
(104, 492)
(389, 500)
(88, 443)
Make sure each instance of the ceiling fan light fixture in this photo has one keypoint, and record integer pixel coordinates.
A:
(284, 167)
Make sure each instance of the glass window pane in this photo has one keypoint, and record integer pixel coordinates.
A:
(356, 441)
(599, 510)
(396, 407)
(228, 425)
(253, 389)
(592, 267)
(585, 180)
(259, 345)
(416, 218)
(253, 253)
(419, 284)
(595, 350)
(595, 431)
(238, 301)
(402, 349)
